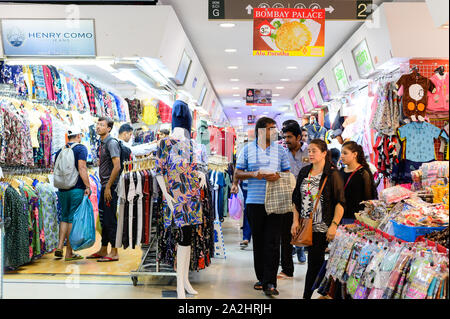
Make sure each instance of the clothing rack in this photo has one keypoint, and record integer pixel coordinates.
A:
(149, 266)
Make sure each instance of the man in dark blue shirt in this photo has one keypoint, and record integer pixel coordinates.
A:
(70, 199)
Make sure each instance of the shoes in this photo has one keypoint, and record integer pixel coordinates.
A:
(271, 290)
(258, 286)
(301, 255)
(244, 244)
(282, 275)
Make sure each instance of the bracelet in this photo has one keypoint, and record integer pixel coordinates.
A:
(333, 222)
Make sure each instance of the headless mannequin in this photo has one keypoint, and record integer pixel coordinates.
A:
(184, 247)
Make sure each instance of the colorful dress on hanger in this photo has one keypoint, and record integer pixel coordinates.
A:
(48, 204)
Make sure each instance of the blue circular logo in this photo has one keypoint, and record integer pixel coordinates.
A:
(16, 37)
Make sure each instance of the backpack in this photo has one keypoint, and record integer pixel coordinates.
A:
(65, 172)
(125, 154)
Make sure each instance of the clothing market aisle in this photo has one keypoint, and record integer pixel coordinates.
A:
(230, 278)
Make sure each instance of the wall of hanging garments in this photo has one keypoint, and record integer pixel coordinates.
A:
(406, 135)
(221, 178)
(30, 208)
(365, 265)
(46, 82)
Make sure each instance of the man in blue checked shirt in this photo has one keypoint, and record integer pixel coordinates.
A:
(261, 161)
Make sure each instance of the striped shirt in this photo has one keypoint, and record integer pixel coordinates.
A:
(253, 158)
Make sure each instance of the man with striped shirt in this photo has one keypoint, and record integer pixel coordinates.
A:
(260, 161)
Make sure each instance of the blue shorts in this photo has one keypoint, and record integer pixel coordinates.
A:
(70, 200)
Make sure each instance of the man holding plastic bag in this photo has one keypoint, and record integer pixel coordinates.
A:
(72, 180)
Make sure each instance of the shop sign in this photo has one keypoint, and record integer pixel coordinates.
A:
(335, 9)
(341, 76)
(259, 97)
(362, 58)
(312, 97)
(297, 110)
(36, 37)
(324, 91)
(251, 119)
(303, 103)
(289, 32)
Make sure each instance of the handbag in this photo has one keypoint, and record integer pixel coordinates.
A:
(278, 199)
(303, 237)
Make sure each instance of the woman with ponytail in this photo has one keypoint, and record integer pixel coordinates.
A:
(329, 210)
(359, 184)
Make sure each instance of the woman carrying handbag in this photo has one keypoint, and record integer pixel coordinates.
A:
(319, 203)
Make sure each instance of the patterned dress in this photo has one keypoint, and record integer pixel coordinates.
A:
(175, 161)
(49, 207)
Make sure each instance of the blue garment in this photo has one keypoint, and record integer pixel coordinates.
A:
(253, 158)
(120, 114)
(39, 81)
(315, 131)
(220, 181)
(80, 153)
(246, 230)
(420, 140)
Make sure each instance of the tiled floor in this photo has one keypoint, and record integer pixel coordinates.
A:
(230, 278)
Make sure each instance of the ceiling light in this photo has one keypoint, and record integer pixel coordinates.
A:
(291, 68)
(237, 101)
(227, 25)
(230, 50)
(275, 94)
(234, 80)
(232, 67)
(253, 109)
(273, 101)
(236, 95)
(235, 88)
(284, 80)
(266, 113)
(238, 112)
(280, 87)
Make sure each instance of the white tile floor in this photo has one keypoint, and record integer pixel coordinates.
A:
(230, 278)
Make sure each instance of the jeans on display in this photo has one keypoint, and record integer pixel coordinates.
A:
(287, 264)
(247, 232)
(266, 231)
(316, 258)
(346, 221)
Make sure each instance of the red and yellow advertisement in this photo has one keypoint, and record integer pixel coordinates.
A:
(289, 32)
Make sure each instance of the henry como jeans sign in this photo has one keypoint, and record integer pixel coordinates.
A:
(68, 38)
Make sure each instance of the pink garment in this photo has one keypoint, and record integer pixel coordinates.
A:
(94, 198)
(49, 83)
(438, 102)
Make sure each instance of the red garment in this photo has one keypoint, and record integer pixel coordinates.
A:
(91, 97)
(165, 112)
(49, 83)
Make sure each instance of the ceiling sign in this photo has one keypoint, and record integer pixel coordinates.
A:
(335, 9)
(96, 2)
(259, 97)
(289, 32)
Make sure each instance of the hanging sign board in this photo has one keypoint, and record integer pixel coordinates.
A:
(312, 97)
(289, 32)
(259, 97)
(362, 58)
(324, 91)
(341, 76)
(48, 38)
(336, 9)
(303, 103)
(251, 119)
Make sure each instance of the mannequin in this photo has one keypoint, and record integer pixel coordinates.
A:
(181, 135)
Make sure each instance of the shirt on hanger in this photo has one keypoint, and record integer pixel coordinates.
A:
(420, 140)
(415, 87)
(438, 102)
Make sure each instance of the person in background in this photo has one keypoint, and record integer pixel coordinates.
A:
(258, 162)
(335, 155)
(246, 231)
(296, 152)
(109, 172)
(163, 133)
(70, 199)
(359, 184)
(330, 206)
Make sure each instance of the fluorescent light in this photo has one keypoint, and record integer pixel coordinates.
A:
(230, 50)
(266, 113)
(236, 95)
(238, 112)
(275, 94)
(291, 68)
(253, 109)
(273, 101)
(235, 88)
(234, 80)
(280, 87)
(232, 67)
(284, 80)
(227, 25)
(236, 101)
(52, 61)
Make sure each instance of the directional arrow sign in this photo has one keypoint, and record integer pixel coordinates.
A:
(335, 9)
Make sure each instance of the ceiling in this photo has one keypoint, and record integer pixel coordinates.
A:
(210, 41)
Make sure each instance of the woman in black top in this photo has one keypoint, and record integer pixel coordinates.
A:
(358, 180)
(330, 206)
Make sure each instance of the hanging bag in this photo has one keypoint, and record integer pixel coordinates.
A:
(278, 198)
(303, 237)
(82, 235)
(234, 207)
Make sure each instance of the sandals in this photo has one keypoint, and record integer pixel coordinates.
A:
(258, 286)
(59, 253)
(94, 256)
(107, 259)
(74, 257)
